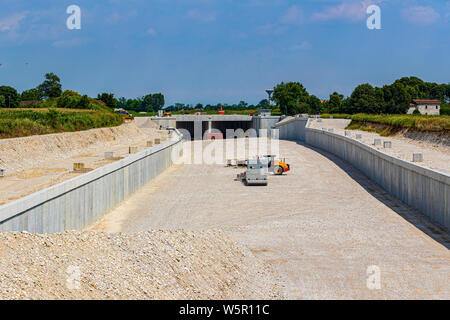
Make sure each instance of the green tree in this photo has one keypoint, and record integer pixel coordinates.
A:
(148, 103)
(12, 98)
(335, 103)
(2, 101)
(292, 97)
(51, 87)
(108, 99)
(396, 98)
(315, 105)
(364, 99)
(32, 94)
(242, 105)
(158, 101)
(84, 102)
(263, 103)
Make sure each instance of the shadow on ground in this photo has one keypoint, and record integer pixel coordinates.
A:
(413, 216)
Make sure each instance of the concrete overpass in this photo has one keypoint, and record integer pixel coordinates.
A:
(198, 125)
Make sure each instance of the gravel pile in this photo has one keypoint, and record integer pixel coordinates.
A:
(146, 265)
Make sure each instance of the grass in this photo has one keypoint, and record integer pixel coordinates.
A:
(30, 121)
(389, 124)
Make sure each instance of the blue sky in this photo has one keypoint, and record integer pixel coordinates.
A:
(212, 51)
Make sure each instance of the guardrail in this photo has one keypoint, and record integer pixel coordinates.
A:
(76, 203)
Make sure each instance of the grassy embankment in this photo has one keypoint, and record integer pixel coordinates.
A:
(45, 118)
(387, 125)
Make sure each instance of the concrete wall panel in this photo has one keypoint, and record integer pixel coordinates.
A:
(422, 188)
(76, 203)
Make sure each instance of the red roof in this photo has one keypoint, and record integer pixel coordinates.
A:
(424, 101)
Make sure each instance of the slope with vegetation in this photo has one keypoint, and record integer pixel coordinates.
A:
(390, 124)
(46, 109)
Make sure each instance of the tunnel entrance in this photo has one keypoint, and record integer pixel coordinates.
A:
(240, 127)
(188, 126)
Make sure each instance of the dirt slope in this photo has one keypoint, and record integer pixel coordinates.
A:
(29, 152)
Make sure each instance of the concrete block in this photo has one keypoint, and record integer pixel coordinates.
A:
(377, 142)
(387, 144)
(324, 129)
(133, 150)
(319, 120)
(157, 141)
(109, 155)
(331, 117)
(417, 157)
(347, 133)
(149, 144)
(331, 130)
(359, 136)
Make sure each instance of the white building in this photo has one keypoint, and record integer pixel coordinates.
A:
(430, 107)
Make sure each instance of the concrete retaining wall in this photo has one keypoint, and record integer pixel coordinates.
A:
(76, 203)
(292, 129)
(422, 188)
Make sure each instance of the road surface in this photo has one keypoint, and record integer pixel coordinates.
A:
(324, 226)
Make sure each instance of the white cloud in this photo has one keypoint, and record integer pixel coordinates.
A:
(294, 15)
(12, 22)
(353, 11)
(198, 15)
(420, 15)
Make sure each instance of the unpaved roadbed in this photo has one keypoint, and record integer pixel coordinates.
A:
(147, 265)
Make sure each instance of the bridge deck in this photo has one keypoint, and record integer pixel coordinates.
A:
(321, 226)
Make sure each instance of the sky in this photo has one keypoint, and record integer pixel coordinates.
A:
(222, 51)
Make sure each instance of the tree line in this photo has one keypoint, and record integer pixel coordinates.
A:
(241, 106)
(148, 103)
(51, 89)
(291, 97)
(395, 98)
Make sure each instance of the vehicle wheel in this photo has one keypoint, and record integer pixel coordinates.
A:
(278, 170)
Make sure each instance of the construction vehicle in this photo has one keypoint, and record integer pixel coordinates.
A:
(277, 167)
(256, 173)
(126, 115)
